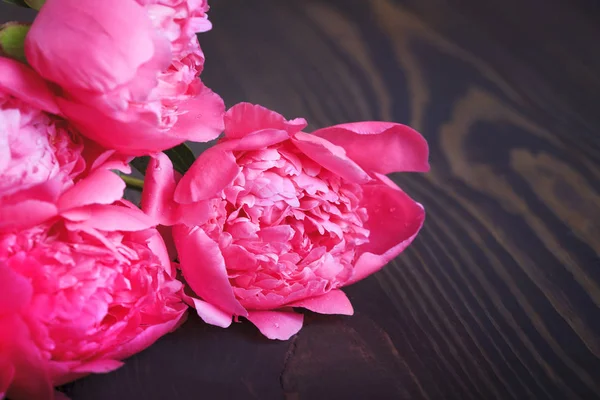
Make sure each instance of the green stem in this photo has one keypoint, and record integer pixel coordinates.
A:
(133, 183)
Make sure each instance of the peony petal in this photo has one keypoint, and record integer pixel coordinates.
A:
(98, 366)
(212, 315)
(332, 302)
(22, 82)
(110, 218)
(256, 140)
(245, 118)
(31, 379)
(204, 269)
(394, 221)
(25, 214)
(15, 290)
(100, 187)
(381, 147)
(330, 156)
(135, 135)
(97, 156)
(212, 171)
(159, 188)
(280, 325)
(200, 118)
(146, 338)
(109, 42)
(158, 246)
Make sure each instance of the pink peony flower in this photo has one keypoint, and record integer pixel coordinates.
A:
(42, 157)
(79, 294)
(273, 218)
(126, 71)
(39, 155)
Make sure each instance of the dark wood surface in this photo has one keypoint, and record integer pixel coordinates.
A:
(498, 298)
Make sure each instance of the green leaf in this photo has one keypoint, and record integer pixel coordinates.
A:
(12, 40)
(19, 3)
(141, 164)
(35, 4)
(182, 157)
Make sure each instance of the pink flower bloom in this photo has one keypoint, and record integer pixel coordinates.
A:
(39, 155)
(127, 70)
(79, 294)
(273, 218)
(42, 159)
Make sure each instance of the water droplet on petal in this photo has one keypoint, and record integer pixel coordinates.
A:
(276, 325)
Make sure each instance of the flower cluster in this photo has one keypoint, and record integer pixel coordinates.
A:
(268, 220)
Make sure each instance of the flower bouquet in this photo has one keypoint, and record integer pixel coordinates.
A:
(269, 220)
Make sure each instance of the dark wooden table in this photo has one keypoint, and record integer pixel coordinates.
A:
(499, 295)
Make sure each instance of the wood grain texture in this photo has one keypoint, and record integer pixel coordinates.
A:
(499, 296)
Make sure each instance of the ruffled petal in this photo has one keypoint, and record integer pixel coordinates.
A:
(382, 147)
(330, 156)
(280, 325)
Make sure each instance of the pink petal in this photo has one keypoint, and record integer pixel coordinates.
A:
(158, 246)
(110, 218)
(159, 188)
(245, 118)
(31, 379)
(394, 221)
(280, 325)
(109, 42)
(135, 135)
(200, 119)
(212, 171)
(22, 82)
(256, 140)
(212, 315)
(330, 156)
(146, 338)
(97, 156)
(332, 302)
(100, 187)
(25, 214)
(238, 258)
(382, 147)
(203, 267)
(98, 366)
(15, 290)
